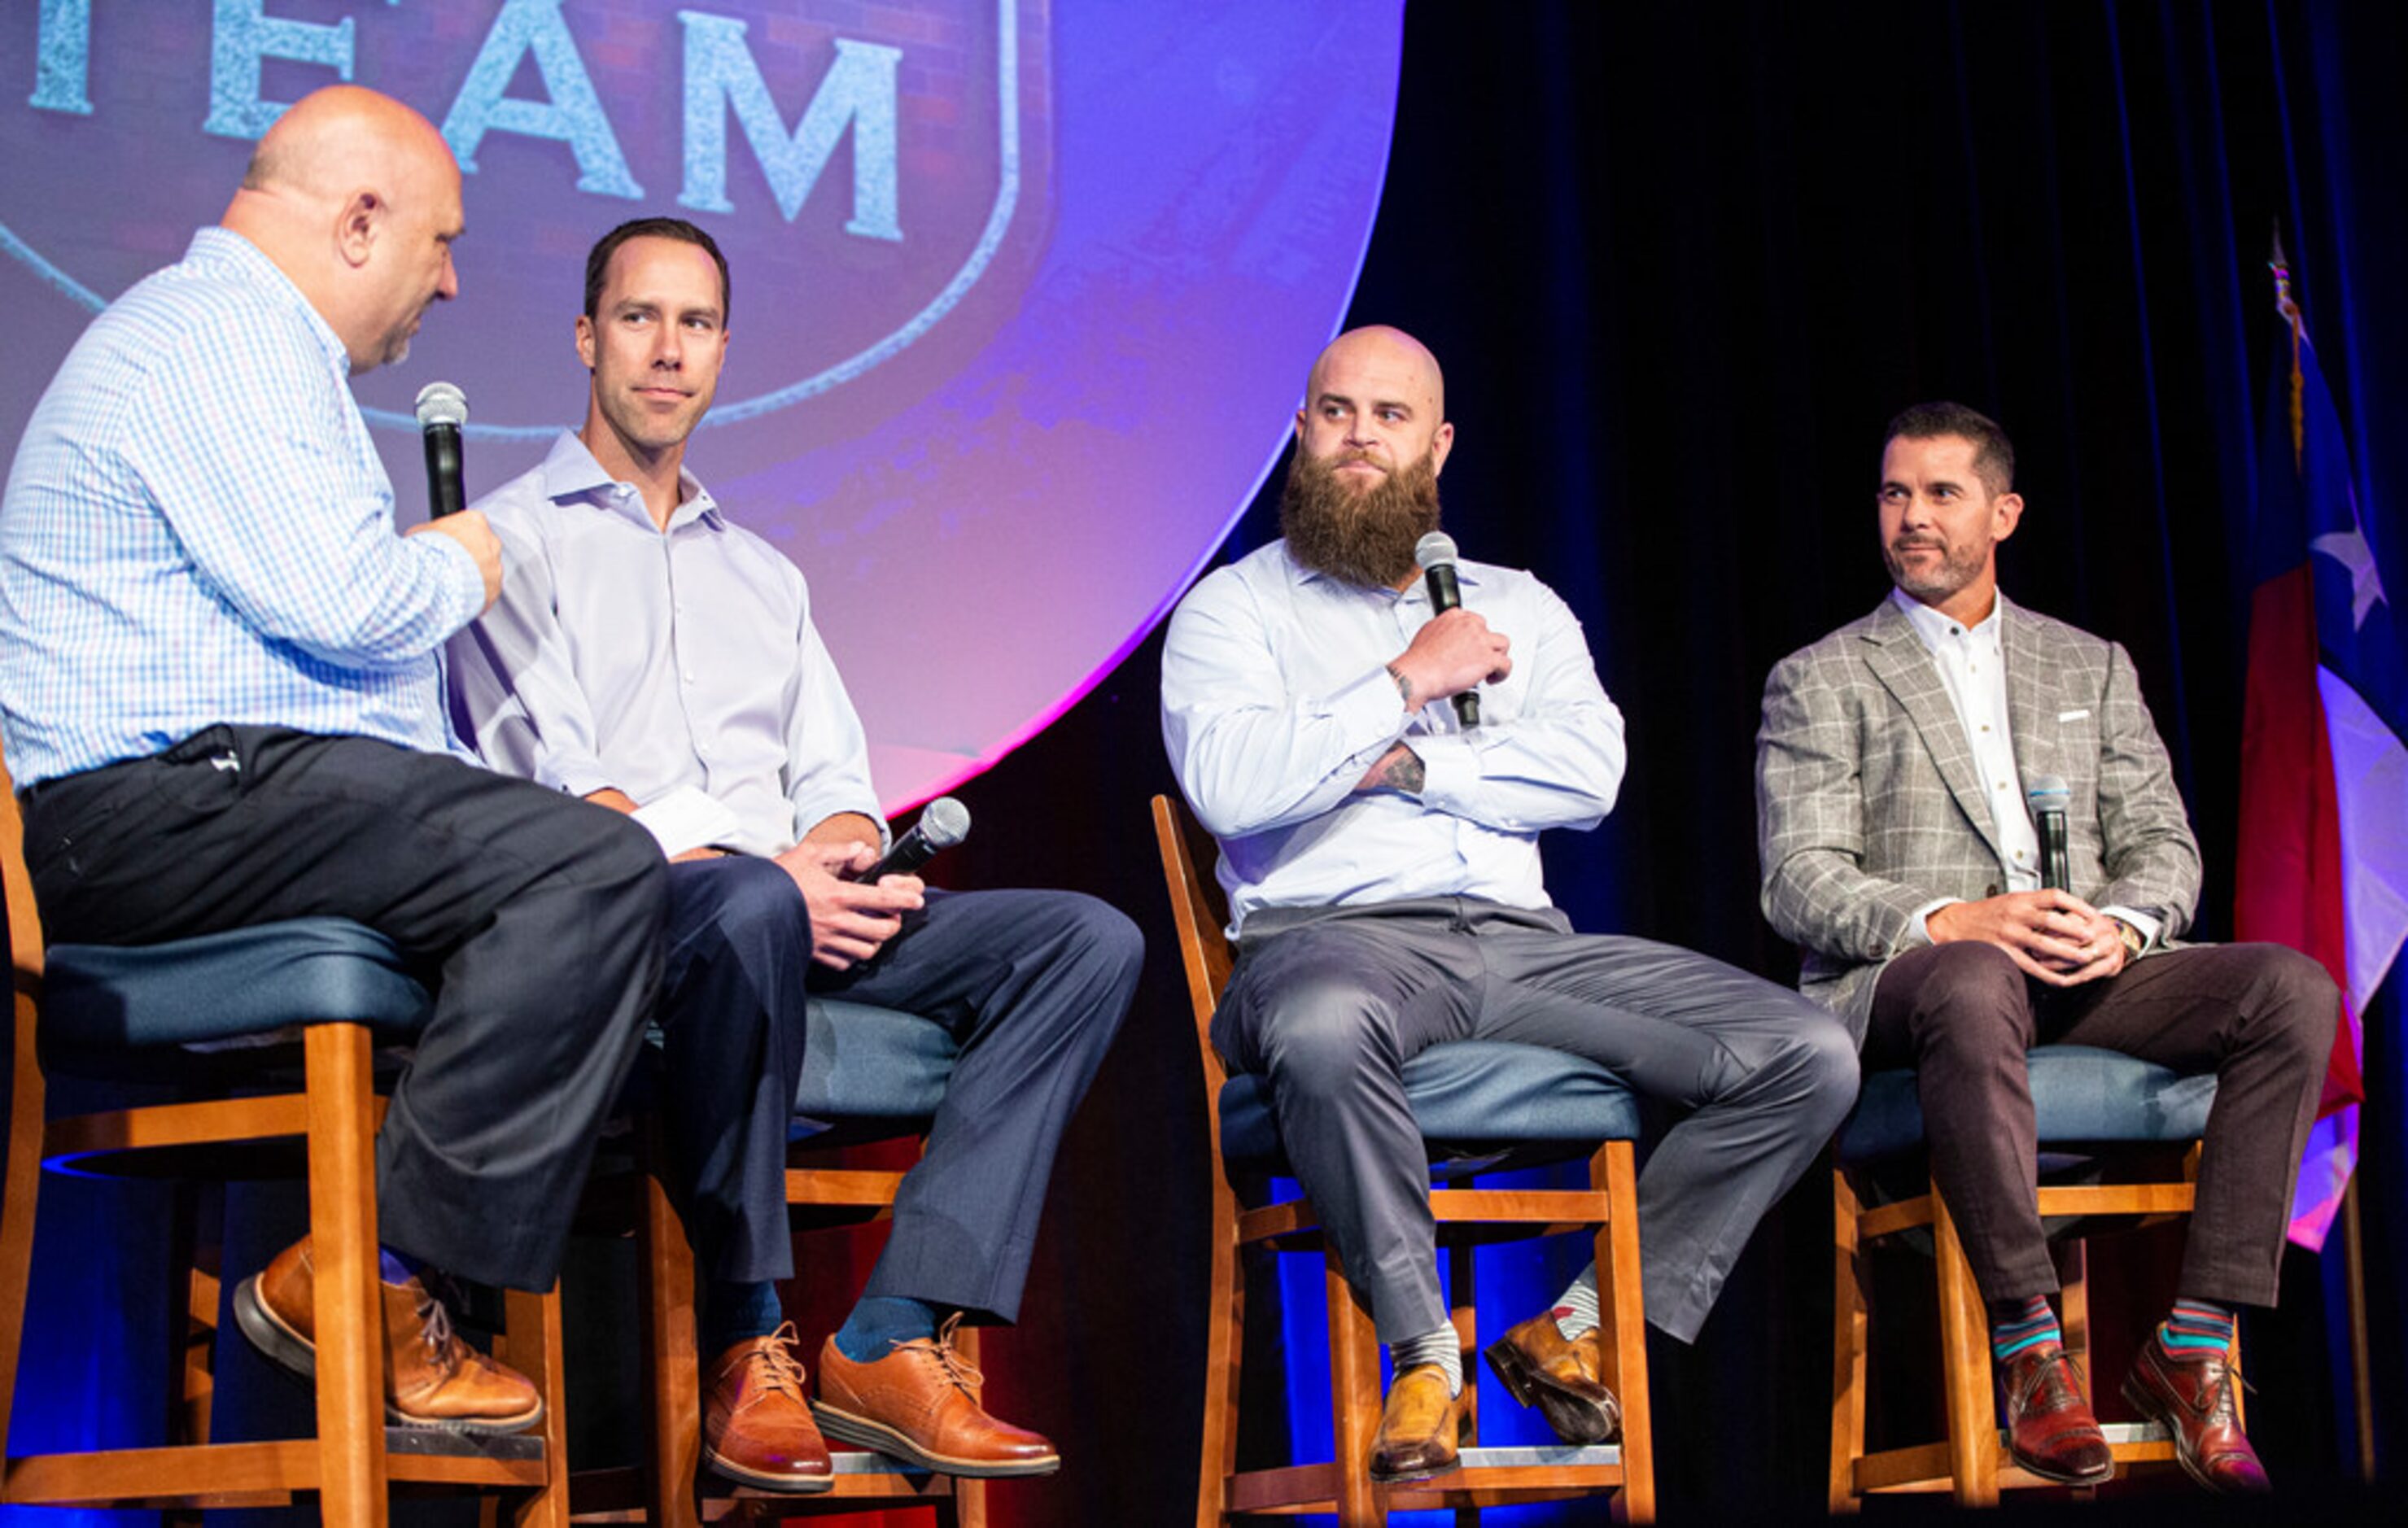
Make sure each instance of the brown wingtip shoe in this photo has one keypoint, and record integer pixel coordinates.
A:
(920, 1404)
(2050, 1429)
(757, 1422)
(431, 1379)
(1418, 1427)
(2191, 1393)
(1563, 1376)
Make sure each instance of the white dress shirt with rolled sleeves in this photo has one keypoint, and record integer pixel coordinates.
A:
(1275, 699)
(625, 655)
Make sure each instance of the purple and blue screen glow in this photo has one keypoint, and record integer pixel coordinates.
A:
(1022, 296)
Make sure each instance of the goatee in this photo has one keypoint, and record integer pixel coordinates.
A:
(1360, 536)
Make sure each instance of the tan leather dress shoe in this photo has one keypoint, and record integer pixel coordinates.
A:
(920, 1404)
(1418, 1428)
(757, 1422)
(2050, 1429)
(431, 1379)
(1563, 1376)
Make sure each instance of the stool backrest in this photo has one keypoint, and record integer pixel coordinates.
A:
(24, 923)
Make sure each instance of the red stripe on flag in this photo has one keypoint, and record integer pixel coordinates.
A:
(2289, 872)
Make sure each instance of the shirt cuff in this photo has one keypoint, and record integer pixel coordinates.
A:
(1918, 936)
(578, 774)
(466, 580)
(1450, 769)
(2145, 926)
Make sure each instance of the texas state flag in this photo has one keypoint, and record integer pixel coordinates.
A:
(2324, 772)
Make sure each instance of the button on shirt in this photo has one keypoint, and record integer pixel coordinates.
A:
(623, 655)
(198, 530)
(1275, 699)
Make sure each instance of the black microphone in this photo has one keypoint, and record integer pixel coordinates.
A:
(1435, 553)
(943, 822)
(2049, 800)
(443, 409)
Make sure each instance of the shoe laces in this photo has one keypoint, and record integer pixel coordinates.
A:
(964, 1374)
(2052, 1383)
(435, 1332)
(774, 1368)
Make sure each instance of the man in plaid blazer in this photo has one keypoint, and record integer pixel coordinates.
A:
(1899, 853)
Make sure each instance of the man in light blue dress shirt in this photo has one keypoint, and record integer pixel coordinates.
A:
(1382, 868)
(219, 692)
(650, 654)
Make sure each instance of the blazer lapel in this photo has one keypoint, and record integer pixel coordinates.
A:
(2031, 698)
(1900, 661)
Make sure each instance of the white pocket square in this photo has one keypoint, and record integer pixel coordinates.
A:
(2072, 716)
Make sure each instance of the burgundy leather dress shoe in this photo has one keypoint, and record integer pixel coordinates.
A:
(1562, 1376)
(2050, 1428)
(1419, 1427)
(431, 1379)
(757, 1422)
(2190, 1394)
(920, 1404)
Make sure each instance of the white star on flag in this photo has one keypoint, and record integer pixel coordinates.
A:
(2349, 549)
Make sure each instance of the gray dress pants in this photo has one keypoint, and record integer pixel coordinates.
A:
(1330, 1004)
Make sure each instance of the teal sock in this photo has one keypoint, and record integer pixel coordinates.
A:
(2197, 1323)
(2015, 1328)
(881, 1321)
(734, 1312)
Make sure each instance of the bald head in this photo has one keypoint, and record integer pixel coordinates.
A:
(356, 198)
(1390, 352)
(1375, 403)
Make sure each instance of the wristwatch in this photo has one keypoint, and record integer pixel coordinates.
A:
(2133, 940)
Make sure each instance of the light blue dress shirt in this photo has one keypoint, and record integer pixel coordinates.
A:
(1275, 699)
(626, 656)
(198, 530)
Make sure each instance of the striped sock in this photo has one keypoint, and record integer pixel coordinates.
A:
(2023, 1326)
(2197, 1323)
(1441, 1347)
(1575, 1309)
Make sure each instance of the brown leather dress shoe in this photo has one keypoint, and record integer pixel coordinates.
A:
(919, 1404)
(2190, 1394)
(757, 1422)
(431, 1379)
(1418, 1427)
(1562, 1376)
(2050, 1428)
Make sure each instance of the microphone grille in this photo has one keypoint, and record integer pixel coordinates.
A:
(1436, 549)
(440, 402)
(944, 822)
(2048, 793)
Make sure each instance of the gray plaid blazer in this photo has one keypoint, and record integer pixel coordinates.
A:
(1867, 807)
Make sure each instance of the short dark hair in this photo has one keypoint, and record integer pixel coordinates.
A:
(1994, 454)
(598, 262)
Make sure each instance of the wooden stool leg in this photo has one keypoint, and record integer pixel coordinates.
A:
(1847, 1346)
(18, 1193)
(1622, 1328)
(2073, 1300)
(1965, 1367)
(672, 1373)
(534, 1346)
(1225, 1344)
(1463, 1314)
(970, 1496)
(343, 1243)
(1354, 1401)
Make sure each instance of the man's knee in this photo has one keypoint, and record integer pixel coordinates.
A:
(745, 903)
(1098, 939)
(2293, 999)
(1320, 1031)
(1823, 1056)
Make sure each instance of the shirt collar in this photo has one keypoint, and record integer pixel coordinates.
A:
(1934, 628)
(216, 246)
(1466, 574)
(571, 472)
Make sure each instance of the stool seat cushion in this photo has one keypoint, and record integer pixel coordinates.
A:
(864, 1063)
(1463, 1094)
(245, 983)
(2079, 1094)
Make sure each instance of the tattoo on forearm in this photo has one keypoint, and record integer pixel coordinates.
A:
(1404, 687)
(1404, 771)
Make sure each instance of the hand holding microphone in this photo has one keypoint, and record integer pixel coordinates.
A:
(2050, 800)
(1455, 650)
(943, 822)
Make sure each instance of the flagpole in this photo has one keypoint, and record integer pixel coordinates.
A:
(2353, 1277)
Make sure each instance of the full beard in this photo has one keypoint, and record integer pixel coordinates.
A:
(1362, 537)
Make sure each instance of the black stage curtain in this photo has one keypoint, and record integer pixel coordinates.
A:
(1682, 264)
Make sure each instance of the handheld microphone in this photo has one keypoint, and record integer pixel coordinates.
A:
(1435, 555)
(443, 409)
(2049, 800)
(943, 822)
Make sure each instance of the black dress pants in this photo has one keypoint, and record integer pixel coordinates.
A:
(539, 914)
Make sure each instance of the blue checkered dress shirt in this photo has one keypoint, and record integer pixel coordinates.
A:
(198, 530)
